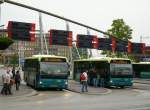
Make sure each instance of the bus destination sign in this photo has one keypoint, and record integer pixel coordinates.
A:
(53, 60)
(121, 61)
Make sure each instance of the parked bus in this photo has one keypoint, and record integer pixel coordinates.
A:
(46, 71)
(115, 71)
(141, 69)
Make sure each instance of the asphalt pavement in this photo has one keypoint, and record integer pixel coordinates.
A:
(142, 81)
(24, 91)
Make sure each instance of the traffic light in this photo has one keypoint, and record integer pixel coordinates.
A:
(121, 45)
(105, 44)
(21, 31)
(60, 37)
(86, 41)
(138, 47)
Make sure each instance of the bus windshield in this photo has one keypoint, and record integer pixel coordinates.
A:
(120, 69)
(51, 68)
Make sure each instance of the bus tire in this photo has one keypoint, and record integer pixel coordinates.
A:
(60, 89)
(122, 87)
(35, 86)
(27, 82)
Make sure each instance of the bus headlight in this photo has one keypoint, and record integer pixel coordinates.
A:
(40, 82)
(110, 81)
(66, 82)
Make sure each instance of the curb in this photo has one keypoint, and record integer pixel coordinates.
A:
(33, 93)
(141, 82)
(88, 93)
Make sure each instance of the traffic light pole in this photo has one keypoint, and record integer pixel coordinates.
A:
(41, 32)
(54, 15)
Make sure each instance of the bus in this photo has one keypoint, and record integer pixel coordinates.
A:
(141, 70)
(115, 71)
(46, 71)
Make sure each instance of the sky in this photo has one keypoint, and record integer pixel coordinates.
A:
(96, 13)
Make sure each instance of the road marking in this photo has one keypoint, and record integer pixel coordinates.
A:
(143, 108)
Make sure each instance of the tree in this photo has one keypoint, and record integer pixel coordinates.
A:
(5, 42)
(120, 30)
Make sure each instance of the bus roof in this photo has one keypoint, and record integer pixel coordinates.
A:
(44, 56)
(107, 59)
(142, 63)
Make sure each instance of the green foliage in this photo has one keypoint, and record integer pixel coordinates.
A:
(5, 42)
(120, 30)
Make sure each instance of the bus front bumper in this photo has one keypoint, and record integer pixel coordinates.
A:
(120, 82)
(53, 83)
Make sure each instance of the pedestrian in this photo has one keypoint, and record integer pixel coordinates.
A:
(10, 81)
(13, 72)
(84, 79)
(90, 77)
(102, 78)
(6, 83)
(98, 79)
(95, 80)
(17, 80)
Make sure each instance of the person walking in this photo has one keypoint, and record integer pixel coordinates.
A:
(84, 79)
(6, 79)
(13, 72)
(3, 91)
(95, 80)
(17, 80)
(102, 78)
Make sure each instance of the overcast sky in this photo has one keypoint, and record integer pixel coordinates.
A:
(95, 13)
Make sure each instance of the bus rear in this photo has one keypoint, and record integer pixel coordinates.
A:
(121, 73)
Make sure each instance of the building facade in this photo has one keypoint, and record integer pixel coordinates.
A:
(21, 49)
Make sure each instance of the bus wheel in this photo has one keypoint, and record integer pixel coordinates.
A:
(60, 89)
(27, 83)
(122, 87)
(35, 87)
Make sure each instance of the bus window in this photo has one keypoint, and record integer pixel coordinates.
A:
(53, 68)
(120, 70)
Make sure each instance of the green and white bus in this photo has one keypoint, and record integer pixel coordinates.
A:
(141, 70)
(115, 71)
(46, 71)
